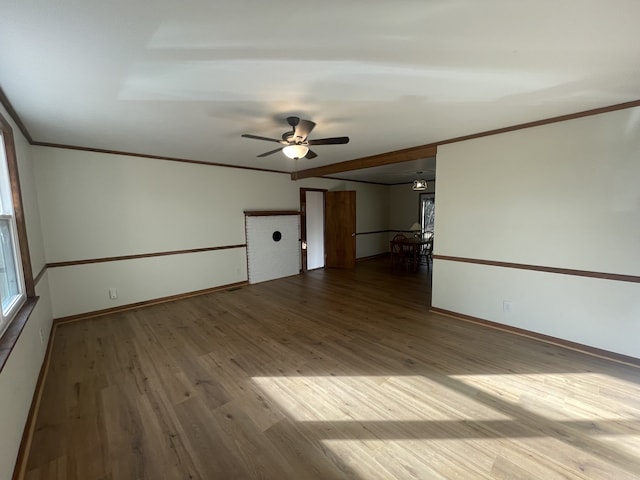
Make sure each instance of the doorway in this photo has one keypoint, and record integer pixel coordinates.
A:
(312, 218)
(327, 233)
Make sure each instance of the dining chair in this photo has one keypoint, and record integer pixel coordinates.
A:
(399, 255)
(426, 251)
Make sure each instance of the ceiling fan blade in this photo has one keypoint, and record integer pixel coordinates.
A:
(329, 141)
(303, 129)
(257, 137)
(311, 154)
(270, 153)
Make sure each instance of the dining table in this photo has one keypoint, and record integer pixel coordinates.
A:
(410, 248)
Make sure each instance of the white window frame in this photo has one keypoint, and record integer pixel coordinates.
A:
(7, 213)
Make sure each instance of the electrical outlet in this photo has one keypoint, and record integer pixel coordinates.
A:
(507, 306)
(41, 336)
(113, 293)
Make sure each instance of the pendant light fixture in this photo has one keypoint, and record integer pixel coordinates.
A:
(420, 184)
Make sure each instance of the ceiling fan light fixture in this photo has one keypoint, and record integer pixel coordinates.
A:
(419, 185)
(295, 141)
(295, 151)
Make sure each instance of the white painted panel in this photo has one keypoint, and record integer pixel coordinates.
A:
(315, 229)
(85, 288)
(599, 313)
(269, 258)
(19, 377)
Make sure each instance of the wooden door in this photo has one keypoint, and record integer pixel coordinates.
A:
(340, 229)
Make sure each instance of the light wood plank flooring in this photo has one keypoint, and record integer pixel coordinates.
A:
(327, 375)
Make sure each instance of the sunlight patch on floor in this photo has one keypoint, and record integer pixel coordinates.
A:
(372, 398)
(413, 458)
(546, 394)
(413, 426)
(624, 441)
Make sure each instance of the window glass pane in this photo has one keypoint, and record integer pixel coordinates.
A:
(9, 283)
(427, 212)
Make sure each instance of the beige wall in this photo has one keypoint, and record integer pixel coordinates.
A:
(19, 375)
(98, 205)
(563, 195)
(405, 206)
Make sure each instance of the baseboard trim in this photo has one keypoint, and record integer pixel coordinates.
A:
(597, 352)
(373, 257)
(146, 303)
(30, 424)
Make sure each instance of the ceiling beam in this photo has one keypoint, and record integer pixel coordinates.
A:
(397, 156)
(430, 150)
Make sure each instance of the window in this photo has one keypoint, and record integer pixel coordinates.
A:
(12, 287)
(427, 211)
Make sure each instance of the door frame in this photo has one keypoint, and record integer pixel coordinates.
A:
(303, 222)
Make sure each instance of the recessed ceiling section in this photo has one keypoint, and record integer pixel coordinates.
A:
(397, 173)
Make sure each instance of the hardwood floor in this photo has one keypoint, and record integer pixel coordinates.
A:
(328, 375)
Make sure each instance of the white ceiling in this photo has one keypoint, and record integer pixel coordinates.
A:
(185, 79)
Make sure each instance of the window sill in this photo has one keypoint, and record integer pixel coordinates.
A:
(11, 335)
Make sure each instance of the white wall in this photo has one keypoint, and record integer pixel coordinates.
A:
(372, 214)
(404, 208)
(98, 205)
(563, 195)
(20, 373)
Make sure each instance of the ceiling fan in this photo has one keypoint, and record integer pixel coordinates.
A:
(295, 143)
